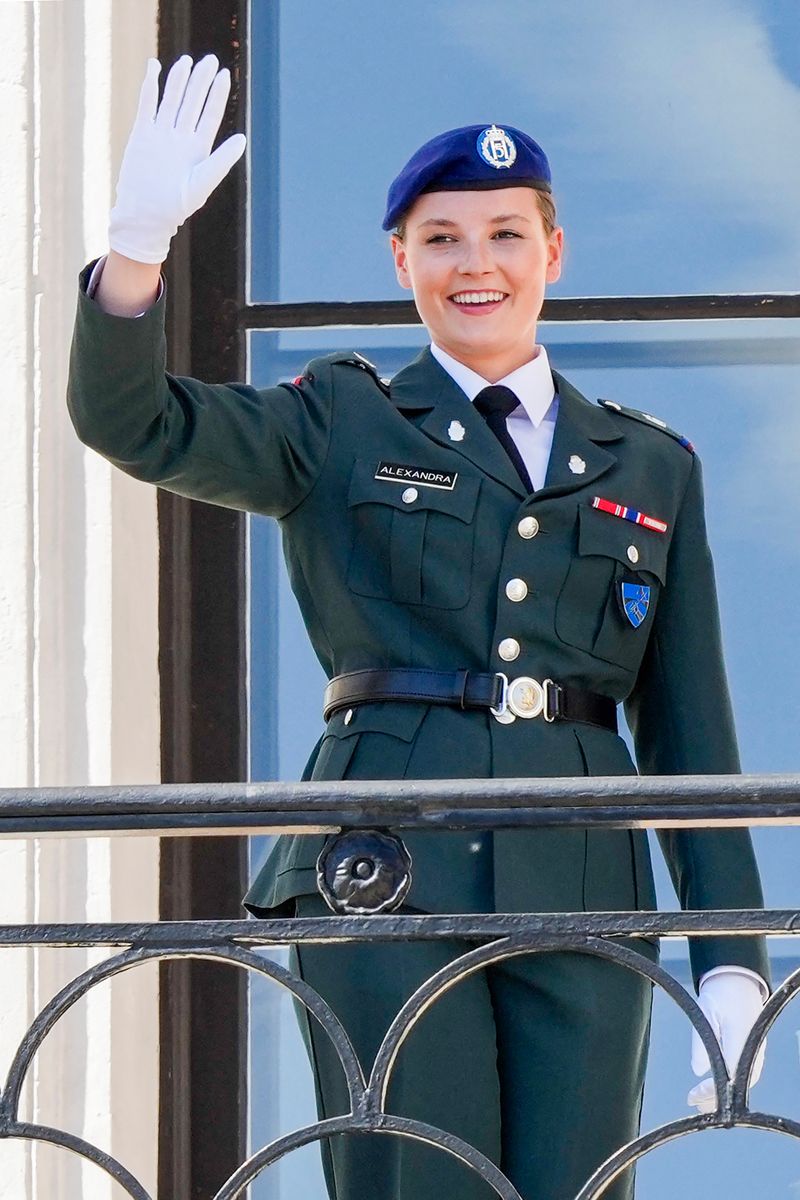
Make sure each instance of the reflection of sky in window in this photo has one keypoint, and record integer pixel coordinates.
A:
(732, 387)
(672, 130)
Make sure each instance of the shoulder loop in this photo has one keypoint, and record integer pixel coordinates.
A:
(352, 358)
(647, 419)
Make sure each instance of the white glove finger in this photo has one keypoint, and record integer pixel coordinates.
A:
(194, 97)
(148, 95)
(700, 1061)
(703, 1096)
(732, 1040)
(211, 171)
(174, 88)
(209, 123)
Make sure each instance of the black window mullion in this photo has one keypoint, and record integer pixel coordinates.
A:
(322, 313)
(203, 1114)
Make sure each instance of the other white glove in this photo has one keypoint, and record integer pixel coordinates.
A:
(731, 1000)
(168, 170)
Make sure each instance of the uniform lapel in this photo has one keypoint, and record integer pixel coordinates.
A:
(432, 399)
(580, 427)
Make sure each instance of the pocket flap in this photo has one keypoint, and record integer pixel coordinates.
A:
(395, 717)
(456, 502)
(602, 533)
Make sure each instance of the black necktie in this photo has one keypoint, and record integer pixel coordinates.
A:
(494, 404)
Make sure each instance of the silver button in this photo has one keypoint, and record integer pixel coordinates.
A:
(633, 554)
(509, 649)
(348, 716)
(409, 495)
(475, 847)
(528, 527)
(516, 589)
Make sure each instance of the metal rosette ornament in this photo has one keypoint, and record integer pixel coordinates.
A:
(363, 871)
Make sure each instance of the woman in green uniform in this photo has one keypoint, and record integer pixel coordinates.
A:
(488, 565)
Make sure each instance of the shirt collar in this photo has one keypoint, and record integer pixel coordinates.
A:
(532, 383)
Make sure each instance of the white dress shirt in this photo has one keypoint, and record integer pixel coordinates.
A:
(533, 421)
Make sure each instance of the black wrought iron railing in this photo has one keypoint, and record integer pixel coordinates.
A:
(201, 810)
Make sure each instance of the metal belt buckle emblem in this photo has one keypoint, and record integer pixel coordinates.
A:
(525, 697)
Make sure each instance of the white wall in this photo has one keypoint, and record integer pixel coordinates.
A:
(78, 594)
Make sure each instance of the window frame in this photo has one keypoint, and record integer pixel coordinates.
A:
(203, 623)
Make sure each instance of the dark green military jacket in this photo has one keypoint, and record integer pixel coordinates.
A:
(387, 576)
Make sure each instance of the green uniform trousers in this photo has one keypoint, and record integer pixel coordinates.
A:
(538, 1062)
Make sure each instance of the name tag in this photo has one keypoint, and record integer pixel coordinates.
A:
(403, 473)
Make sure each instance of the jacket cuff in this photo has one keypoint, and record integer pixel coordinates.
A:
(733, 970)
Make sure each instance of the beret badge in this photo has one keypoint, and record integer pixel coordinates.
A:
(497, 148)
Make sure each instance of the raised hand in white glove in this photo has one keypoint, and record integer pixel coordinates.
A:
(731, 999)
(168, 170)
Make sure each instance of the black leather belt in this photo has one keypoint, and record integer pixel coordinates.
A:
(505, 698)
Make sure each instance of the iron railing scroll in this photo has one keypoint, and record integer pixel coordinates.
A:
(647, 802)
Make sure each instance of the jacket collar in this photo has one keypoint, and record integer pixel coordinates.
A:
(432, 398)
(443, 412)
(578, 455)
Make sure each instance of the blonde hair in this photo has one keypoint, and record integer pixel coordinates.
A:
(544, 200)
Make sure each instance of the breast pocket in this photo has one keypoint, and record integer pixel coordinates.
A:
(411, 543)
(590, 612)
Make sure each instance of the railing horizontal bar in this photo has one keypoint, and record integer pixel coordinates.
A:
(611, 801)
(183, 935)
(254, 824)
(326, 313)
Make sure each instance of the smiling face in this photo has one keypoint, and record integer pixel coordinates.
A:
(478, 263)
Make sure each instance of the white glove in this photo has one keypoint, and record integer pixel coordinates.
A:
(168, 170)
(731, 999)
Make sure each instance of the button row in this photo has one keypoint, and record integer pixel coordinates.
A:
(516, 590)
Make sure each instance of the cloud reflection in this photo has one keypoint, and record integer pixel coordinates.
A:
(678, 117)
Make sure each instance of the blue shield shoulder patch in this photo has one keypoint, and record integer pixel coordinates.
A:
(635, 602)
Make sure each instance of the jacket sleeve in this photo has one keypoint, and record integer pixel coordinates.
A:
(681, 718)
(229, 444)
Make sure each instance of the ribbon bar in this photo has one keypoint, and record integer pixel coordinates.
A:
(629, 514)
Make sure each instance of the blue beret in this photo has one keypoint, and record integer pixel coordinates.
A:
(470, 158)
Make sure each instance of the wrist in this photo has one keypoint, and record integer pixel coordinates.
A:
(126, 287)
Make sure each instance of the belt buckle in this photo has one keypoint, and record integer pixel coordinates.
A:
(525, 697)
(501, 712)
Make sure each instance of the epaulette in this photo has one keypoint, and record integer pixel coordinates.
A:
(352, 358)
(647, 419)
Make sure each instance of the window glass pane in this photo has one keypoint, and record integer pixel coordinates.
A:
(732, 387)
(671, 129)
